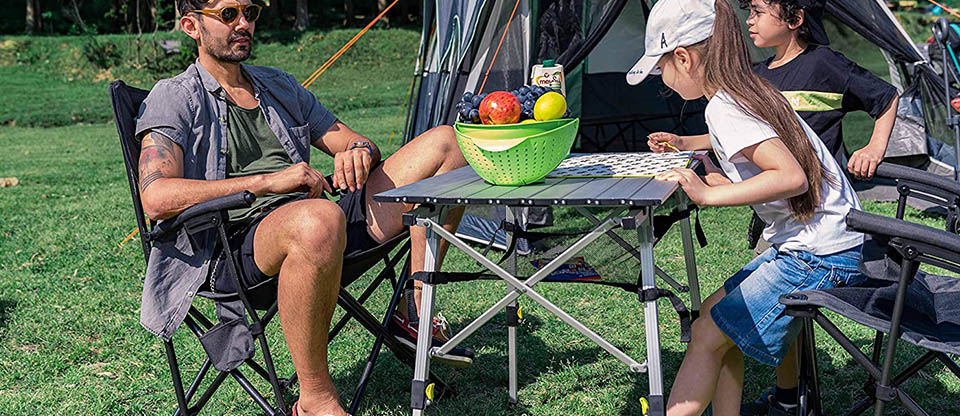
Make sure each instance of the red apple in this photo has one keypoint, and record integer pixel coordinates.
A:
(500, 107)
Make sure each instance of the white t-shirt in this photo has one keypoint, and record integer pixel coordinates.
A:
(732, 130)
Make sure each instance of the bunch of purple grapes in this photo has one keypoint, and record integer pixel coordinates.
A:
(467, 108)
(468, 112)
(528, 95)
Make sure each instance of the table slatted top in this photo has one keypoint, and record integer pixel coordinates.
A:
(464, 187)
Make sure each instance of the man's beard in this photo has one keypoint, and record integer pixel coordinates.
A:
(222, 50)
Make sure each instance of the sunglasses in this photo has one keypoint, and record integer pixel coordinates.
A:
(228, 15)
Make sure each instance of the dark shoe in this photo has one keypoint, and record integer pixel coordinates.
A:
(766, 405)
(406, 332)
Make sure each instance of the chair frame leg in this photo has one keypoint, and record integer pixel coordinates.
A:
(810, 399)
(907, 271)
(864, 361)
(378, 343)
(198, 325)
(177, 380)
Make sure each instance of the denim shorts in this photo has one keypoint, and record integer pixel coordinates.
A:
(751, 313)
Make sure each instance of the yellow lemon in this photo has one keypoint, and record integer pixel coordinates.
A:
(529, 120)
(549, 106)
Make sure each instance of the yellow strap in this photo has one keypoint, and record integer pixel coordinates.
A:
(814, 100)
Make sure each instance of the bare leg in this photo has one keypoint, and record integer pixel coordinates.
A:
(304, 242)
(696, 382)
(430, 154)
(727, 396)
(788, 372)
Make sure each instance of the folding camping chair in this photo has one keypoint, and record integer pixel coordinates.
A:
(897, 300)
(210, 215)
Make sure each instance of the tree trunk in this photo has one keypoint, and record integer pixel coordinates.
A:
(176, 19)
(382, 4)
(348, 12)
(72, 13)
(33, 22)
(276, 12)
(404, 12)
(117, 20)
(153, 14)
(302, 16)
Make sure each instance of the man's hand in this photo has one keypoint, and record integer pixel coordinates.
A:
(297, 178)
(661, 142)
(692, 184)
(863, 163)
(351, 168)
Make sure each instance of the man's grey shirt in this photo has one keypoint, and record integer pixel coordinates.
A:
(191, 110)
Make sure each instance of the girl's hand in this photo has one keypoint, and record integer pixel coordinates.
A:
(692, 184)
(661, 142)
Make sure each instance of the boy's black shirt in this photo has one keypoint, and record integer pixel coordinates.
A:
(822, 85)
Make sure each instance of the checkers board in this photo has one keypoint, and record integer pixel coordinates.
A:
(619, 165)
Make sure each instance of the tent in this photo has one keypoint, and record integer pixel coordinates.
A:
(466, 44)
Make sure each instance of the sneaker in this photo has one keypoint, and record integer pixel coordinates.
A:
(406, 332)
(767, 405)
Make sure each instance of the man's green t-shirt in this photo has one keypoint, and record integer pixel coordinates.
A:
(253, 149)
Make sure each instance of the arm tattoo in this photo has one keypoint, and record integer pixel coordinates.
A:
(157, 159)
(149, 179)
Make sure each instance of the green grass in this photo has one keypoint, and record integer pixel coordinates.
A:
(70, 342)
(51, 81)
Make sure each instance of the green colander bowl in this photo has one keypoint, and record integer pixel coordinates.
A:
(516, 154)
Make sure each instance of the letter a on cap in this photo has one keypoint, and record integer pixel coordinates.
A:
(663, 41)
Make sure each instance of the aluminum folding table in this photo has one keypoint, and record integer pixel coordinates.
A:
(632, 201)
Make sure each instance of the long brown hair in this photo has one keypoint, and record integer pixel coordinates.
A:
(726, 66)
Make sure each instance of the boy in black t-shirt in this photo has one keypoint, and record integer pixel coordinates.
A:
(823, 86)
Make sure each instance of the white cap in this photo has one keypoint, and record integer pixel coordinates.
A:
(672, 23)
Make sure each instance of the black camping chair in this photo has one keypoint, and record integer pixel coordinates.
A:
(897, 299)
(210, 215)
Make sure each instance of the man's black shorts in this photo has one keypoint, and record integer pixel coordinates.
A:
(241, 243)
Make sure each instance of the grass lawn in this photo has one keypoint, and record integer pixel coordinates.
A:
(70, 342)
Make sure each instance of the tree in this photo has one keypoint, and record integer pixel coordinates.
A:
(33, 22)
(348, 12)
(302, 16)
(176, 19)
(382, 4)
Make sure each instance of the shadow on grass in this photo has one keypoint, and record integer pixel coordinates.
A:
(5, 307)
(843, 386)
(483, 388)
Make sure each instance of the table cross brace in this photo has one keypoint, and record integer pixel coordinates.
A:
(526, 288)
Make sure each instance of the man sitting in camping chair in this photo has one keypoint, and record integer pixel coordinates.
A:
(221, 127)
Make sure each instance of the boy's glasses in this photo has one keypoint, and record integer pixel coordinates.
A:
(228, 15)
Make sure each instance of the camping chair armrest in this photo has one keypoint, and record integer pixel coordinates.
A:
(929, 242)
(895, 171)
(243, 199)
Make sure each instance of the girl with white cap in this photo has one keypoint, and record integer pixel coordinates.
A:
(769, 159)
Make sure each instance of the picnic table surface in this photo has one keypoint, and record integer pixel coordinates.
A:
(464, 187)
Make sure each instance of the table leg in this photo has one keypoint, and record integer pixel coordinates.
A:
(689, 257)
(418, 397)
(511, 312)
(650, 318)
